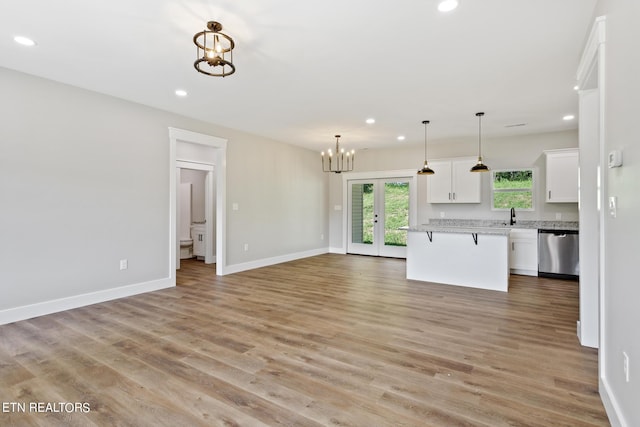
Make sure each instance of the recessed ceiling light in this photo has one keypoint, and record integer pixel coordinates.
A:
(181, 93)
(24, 41)
(447, 5)
(576, 87)
(568, 117)
(401, 138)
(370, 121)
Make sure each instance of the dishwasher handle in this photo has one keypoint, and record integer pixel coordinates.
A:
(557, 233)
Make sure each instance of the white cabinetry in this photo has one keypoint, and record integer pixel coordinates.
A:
(452, 181)
(523, 251)
(198, 235)
(562, 175)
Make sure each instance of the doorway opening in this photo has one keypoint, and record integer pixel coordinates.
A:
(200, 152)
(196, 212)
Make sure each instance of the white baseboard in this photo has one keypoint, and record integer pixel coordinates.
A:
(616, 419)
(47, 307)
(579, 330)
(334, 250)
(265, 262)
(524, 272)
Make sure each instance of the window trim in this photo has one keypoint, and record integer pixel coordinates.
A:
(533, 188)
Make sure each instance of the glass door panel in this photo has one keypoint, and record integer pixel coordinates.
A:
(396, 214)
(362, 231)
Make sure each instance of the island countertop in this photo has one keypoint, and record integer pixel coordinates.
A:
(494, 227)
(428, 228)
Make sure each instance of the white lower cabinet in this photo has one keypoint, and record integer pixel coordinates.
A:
(523, 251)
(199, 240)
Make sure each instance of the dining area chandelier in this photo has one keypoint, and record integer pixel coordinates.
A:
(338, 161)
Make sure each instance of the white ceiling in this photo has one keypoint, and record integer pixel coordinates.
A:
(307, 70)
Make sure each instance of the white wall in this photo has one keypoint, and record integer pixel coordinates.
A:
(501, 153)
(84, 182)
(622, 234)
(196, 178)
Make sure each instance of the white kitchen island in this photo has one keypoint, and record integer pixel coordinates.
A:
(475, 257)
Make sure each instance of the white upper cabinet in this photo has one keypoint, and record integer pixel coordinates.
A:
(562, 175)
(452, 181)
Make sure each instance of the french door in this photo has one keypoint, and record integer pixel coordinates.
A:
(377, 208)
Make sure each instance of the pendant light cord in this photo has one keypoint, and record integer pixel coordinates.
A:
(425, 141)
(480, 135)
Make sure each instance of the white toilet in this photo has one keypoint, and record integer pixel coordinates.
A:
(186, 248)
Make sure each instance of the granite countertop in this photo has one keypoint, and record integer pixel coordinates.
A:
(483, 226)
(498, 231)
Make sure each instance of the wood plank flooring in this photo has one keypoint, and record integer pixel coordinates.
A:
(329, 340)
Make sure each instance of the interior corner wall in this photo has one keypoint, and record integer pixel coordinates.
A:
(622, 233)
(84, 183)
(196, 178)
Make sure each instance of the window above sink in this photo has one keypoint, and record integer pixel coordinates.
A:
(512, 188)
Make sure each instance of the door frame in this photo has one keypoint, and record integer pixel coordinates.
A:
(378, 247)
(402, 173)
(591, 80)
(591, 76)
(186, 137)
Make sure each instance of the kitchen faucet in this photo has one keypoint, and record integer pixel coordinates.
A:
(513, 217)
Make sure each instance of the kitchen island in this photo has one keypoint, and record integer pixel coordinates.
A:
(476, 257)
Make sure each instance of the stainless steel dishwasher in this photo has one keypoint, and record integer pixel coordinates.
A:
(558, 254)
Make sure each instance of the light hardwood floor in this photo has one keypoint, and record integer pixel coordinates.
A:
(329, 340)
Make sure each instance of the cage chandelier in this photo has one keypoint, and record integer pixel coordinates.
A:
(214, 51)
(338, 162)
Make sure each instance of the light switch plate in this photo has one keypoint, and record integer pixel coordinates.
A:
(615, 159)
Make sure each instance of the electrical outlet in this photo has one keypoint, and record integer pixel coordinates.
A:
(613, 206)
(124, 264)
(625, 365)
(246, 247)
(558, 216)
(441, 214)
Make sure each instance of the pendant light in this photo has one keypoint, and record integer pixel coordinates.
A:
(480, 167)
(426, 170)
(342, 162)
